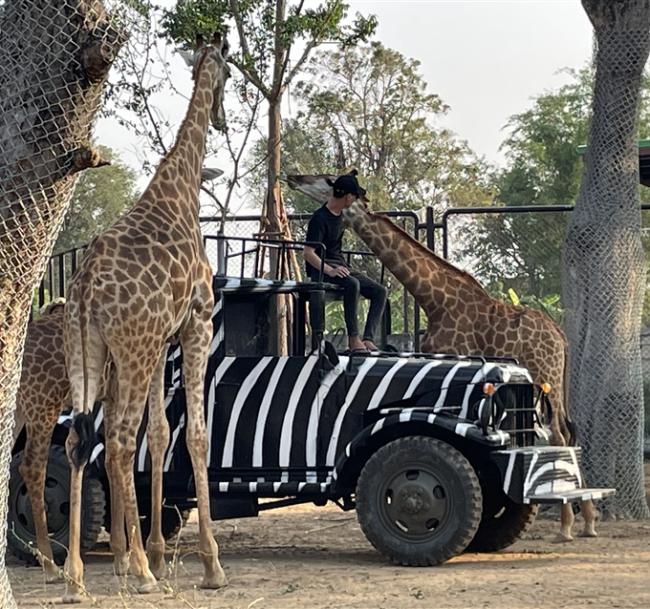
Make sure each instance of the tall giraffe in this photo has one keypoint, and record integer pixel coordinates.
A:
(143, 283)
(463, 318)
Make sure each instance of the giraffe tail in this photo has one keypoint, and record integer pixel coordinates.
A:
(84, 426)
(83, 421)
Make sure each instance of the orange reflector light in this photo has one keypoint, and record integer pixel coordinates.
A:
(546, 387)
(489, 388)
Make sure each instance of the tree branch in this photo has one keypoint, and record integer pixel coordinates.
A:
(245, 67)
(251, 76)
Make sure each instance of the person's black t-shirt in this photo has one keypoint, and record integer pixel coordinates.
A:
(326, 228)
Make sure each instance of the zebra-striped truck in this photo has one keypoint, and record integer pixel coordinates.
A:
(437, 453)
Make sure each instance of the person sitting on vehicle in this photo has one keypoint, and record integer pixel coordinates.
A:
(326, 227)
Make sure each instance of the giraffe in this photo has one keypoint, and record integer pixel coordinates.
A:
(42, 395)
(463, 318)
(143, 283)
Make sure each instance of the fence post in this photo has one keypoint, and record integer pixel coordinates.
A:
(221, 255)
(431, 242)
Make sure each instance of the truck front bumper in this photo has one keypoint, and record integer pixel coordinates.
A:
(544, 474)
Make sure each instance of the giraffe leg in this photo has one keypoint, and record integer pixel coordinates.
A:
(132, 388)
(118, 535)
(558, 438)
(195, 341)
(589, 515)
(74, 568)
(85, 368)
(157, 440)
(566, 523)
(33, 470)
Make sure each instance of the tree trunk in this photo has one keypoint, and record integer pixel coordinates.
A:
(604, 266)
(55, 59)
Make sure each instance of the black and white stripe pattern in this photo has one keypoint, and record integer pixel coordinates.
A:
(288, 424)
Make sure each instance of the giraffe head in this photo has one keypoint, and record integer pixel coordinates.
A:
(212, 57)
(317, 187)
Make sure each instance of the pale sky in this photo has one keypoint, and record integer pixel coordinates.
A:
(484, 58)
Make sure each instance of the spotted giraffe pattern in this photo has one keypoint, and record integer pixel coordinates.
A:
(463, 318)
(42, 394)
(143, 283)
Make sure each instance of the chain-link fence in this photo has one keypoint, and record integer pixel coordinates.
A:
(605, 265)
(54, 60)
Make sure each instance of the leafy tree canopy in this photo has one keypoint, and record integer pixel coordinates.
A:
(522, 251)
(368, 107)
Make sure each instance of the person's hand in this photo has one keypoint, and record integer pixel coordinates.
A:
(336, 271)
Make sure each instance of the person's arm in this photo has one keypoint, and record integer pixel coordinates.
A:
(313, 259)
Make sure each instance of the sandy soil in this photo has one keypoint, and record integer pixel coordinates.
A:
(308, 557)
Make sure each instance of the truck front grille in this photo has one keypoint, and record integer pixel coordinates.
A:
(516, 406)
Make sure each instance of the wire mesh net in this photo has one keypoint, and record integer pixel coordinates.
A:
(55, 59)
(605, 268)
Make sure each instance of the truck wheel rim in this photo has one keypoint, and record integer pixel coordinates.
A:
(57, 507)
(414, 503)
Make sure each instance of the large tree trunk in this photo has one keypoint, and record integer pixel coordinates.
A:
(604, 264)
(55, 59)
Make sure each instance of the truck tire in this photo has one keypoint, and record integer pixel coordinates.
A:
(501, 528)
(418, 501)
(171, 524)
(21, 538)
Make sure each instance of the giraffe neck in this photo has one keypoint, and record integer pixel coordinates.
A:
(185, 158)
(425, 275)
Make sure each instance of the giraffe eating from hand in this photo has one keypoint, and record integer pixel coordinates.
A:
(463, 318)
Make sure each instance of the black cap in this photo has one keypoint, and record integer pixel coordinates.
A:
(347, 184)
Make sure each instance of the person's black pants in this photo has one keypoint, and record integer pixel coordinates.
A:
(356, 285)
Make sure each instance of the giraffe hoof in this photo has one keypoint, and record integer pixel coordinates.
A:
(219, 580)
(54, 577)
(159, 569)
(147, 587)
(121, 565)
(563, 538)
(156, 558)
(589, 533)
(70, 598)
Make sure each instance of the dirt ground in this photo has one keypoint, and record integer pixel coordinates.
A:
(308, 557)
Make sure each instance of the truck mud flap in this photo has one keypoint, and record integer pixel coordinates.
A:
(544, 474)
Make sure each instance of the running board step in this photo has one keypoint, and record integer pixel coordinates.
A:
(578, 494)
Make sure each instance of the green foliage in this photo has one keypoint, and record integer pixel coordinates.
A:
(523, 251)
(191, 18)
(368, 107)
(265, 35)
(100, 197)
